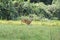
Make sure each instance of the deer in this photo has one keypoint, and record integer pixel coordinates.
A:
(27, 20)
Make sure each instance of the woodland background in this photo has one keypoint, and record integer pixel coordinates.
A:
(40, 9)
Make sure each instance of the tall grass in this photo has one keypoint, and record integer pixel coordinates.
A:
(13, 30)
(47, 22)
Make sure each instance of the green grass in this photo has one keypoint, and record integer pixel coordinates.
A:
(29, 32)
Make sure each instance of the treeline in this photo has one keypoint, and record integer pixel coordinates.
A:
(14, 9)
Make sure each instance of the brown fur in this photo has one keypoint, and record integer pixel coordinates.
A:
(26, 21)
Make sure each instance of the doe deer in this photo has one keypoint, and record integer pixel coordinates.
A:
(27, 20)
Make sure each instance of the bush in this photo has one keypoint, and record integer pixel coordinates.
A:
(12, 10)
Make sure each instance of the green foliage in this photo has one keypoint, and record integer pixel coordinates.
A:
(13, 9)
(7, 10)
(29, 32)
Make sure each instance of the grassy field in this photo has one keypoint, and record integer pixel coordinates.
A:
(37, 30)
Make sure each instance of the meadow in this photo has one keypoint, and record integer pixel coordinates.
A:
(37, 30)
